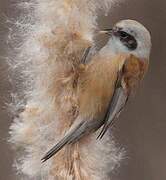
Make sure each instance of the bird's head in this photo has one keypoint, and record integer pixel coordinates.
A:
(129, 36)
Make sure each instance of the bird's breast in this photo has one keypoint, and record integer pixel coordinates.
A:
(96, 86)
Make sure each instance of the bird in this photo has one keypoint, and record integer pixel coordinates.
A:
(107, 80)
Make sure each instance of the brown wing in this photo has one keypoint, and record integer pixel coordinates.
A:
(129, 77)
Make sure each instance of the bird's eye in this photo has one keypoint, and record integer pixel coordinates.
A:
(123, 34)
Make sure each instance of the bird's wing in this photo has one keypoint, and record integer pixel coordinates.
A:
(128, 78)
(115, 106)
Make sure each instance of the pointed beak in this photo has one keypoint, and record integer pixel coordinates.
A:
(106, 31)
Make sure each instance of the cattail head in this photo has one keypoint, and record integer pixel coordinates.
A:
(49, 41)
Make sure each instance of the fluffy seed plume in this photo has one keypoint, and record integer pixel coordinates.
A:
(49, 40)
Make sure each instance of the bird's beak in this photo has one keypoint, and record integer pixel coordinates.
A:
(106, 31)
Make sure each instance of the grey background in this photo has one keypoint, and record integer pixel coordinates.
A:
(142, 127)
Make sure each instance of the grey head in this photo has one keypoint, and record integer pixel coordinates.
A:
(129, 36)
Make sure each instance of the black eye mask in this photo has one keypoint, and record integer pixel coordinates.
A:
(127, 39)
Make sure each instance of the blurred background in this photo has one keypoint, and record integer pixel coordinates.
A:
(141, 129)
